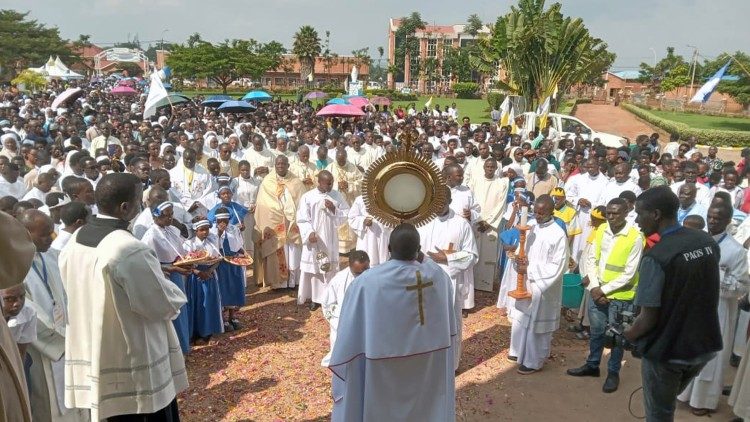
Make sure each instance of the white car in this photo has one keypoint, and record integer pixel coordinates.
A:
(566, 125)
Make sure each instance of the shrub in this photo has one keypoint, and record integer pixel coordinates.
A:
(465, 89)
(393, 94)
(495, 99)
(719, 138)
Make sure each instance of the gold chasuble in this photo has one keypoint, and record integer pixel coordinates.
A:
(275, 213)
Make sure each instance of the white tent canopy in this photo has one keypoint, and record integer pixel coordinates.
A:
(56, 69)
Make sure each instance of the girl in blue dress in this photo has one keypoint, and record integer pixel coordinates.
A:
(236, 211)
(168, 245)
(231, 277)
(204, 285)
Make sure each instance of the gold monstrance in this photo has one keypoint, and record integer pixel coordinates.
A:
(404, 187)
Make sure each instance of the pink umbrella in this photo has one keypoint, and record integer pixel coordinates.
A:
(123, 90)
(340, 110)
(67, 96)
(358, 101)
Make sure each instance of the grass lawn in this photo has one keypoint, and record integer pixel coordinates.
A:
(705, 122)
(476, 110)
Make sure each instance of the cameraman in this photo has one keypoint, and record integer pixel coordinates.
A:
(612, 280)
(677, 329)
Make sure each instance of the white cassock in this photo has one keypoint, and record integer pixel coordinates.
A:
(16, 189)
(372, 239)
(145, 220)
(584, 186)
(442, 232)
(46, 296)
(247, 193)
(194, 185)
(704, 391)
(35, 193)
(314, 217)
(332, 304)
(362, 158)
(389, 364)
(462, 198)
(534, 320)
(740, 397)
(474, 170)
(263, 158)
(613, 189)
(491, 196)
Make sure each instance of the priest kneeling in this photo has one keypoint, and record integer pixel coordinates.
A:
(393, 357)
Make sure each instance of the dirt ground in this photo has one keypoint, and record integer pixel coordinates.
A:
(270, 371)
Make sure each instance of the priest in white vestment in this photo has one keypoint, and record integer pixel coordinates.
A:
(303, 168)
(46, 296)
(347, 179)
(261, 159)
(392, 360)
(534, 320)
(463, 202)
(449, 241)
(320, 213)
(491, 193)
(617, 185)
(583, 191)
(372, 236)
(359, 262)
(193, 183)
(122, 355)
(247, 194)
(704, 391)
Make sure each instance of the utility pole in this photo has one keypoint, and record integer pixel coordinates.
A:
(693, 64)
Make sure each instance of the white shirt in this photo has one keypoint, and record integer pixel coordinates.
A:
(631, 265)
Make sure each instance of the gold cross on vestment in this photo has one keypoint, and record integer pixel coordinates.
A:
(418, 287)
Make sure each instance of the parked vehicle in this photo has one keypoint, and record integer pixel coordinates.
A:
(566, 126)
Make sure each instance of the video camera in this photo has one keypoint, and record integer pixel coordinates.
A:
(613, 334)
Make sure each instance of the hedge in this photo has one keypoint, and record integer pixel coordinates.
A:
(393, 94)
(465, 89)
(719, 138)
(495, 99)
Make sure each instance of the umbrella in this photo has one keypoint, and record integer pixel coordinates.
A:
(174, 99)
(358, 101)
(340, 110)
(167, 86)
(126, 81)
(257, 96)
(69, 95)
(383, 101)
(338, 101)
(123, 90)
(236, 107)
(216, 100)
(315, 94)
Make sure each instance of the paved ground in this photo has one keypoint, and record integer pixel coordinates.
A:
(270, 371)
(618, 121)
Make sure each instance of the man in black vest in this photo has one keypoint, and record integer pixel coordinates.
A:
(677, 329)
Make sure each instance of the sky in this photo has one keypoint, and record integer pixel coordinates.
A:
(633, 29)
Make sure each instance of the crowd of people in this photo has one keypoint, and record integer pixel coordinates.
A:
(112, 202)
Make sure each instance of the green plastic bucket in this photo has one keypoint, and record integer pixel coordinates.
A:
(572, 291)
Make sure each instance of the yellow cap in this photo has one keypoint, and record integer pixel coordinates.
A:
(558, 192)
(597, 214)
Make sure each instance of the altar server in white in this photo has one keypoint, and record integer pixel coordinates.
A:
(372, 236)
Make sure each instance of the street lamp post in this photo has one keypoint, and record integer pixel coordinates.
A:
(162, 41)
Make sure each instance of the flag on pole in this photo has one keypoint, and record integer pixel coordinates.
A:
(512, 121)
(504, 111)
(708, 88)
(428, 103)
(156, 93)
(543, 112)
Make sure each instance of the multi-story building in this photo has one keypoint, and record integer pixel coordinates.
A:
(434, 42)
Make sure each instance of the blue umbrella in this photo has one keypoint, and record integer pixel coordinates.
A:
(236, 107)
(257, 96)
(216, 100)
(337, 101)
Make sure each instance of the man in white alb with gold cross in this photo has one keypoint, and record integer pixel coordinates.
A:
(396, 328)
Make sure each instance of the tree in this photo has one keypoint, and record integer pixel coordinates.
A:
(407, 45)
(540, 50)
(677, 77)
(225, 62)
(362, 57)
(32, 81)
(738, 89)
(456, 62)
(654, 75)
(307, 48)
(473, 25)
(27, 43)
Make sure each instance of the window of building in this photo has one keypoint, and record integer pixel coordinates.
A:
(447, 45)
(278, 81)
(431, 47)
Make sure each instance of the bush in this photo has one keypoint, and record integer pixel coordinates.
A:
(393, 94)
(495, 99)
(719, 138)
(465, 89)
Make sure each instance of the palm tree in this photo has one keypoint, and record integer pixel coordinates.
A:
(306, 47)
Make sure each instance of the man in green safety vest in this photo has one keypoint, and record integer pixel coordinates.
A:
(612, 281)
